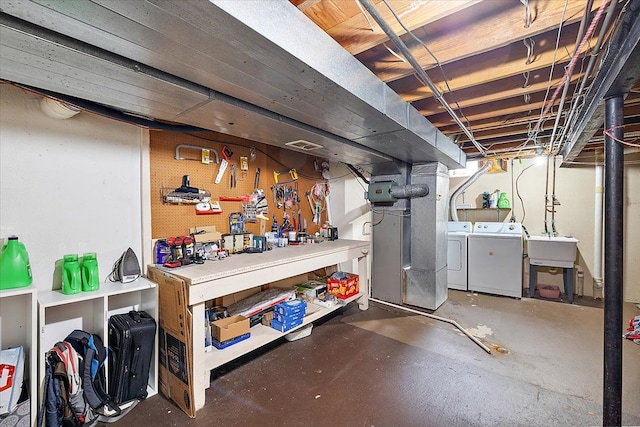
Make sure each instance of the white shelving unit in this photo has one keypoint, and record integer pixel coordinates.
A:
(18, 320)
(60, 314)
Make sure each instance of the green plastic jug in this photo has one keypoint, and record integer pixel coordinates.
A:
(503, 202)
(15, 269)
(90, 279)
(71, 278)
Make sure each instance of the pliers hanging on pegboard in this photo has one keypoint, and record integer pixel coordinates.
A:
(233, 181)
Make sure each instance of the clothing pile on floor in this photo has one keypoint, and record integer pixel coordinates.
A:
(634, 330)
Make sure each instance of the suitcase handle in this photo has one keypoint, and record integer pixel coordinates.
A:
(135, 316)
(134, 362)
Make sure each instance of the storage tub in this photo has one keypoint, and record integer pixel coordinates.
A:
(549, 291)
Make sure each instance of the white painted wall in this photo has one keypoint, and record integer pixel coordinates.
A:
(575, 190)
(349, 209)
(68, 186)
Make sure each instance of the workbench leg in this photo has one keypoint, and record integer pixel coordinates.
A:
(363, 272)
(568, 283)
(200, 375)
(532, 280)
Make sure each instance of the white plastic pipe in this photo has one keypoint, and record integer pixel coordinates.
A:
(579, 281)
(441, 319)
(597, 233)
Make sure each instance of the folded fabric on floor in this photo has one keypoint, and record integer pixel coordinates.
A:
(634, 330)
(261, 301)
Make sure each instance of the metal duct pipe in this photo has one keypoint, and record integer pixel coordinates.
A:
(464, 186)
(613, 273)
(422, 75)
(426, 277)
(409, 191)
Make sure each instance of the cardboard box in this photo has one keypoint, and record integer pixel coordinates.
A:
(289, 318)
(206, 233)
(284, 327)
(344, 288)
(175, 370)
(288, 308)
(229, 327)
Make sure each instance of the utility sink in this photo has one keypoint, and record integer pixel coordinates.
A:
(552, 251)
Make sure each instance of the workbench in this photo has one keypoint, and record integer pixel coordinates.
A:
(215, 279)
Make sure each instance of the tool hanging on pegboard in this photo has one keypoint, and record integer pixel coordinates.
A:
(292, 173)
(255, 207)
(233, 180)
(244, 167)
(316, 197)
(256, 180)
(226, 154)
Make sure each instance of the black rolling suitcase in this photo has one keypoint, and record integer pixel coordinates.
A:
(131, 343)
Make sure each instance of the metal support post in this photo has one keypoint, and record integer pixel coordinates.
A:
(613, 241)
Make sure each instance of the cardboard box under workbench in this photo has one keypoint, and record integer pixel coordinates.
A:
(175, 370)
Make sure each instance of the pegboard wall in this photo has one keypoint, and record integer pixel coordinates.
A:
(167, 172)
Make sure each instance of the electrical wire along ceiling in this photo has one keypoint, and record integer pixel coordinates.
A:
(501, 78)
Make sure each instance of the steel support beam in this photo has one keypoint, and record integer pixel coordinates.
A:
(618, 73)
(613, 265)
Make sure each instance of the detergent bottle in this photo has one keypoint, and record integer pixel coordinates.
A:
(71, 275)
(503, 202)
(15, 269)
(89, 272)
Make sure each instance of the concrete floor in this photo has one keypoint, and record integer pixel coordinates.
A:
(382, 367)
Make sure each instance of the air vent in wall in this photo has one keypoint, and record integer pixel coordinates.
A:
(303, 145)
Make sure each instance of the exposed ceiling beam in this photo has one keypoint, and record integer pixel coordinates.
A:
(514, 85)
(357, 35)
(500, 108)
(631, 112)
(303, 5)
(491, 67)
(497, 27)
(495, 91)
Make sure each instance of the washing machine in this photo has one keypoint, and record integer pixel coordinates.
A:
(495, 258)
(458, 232)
